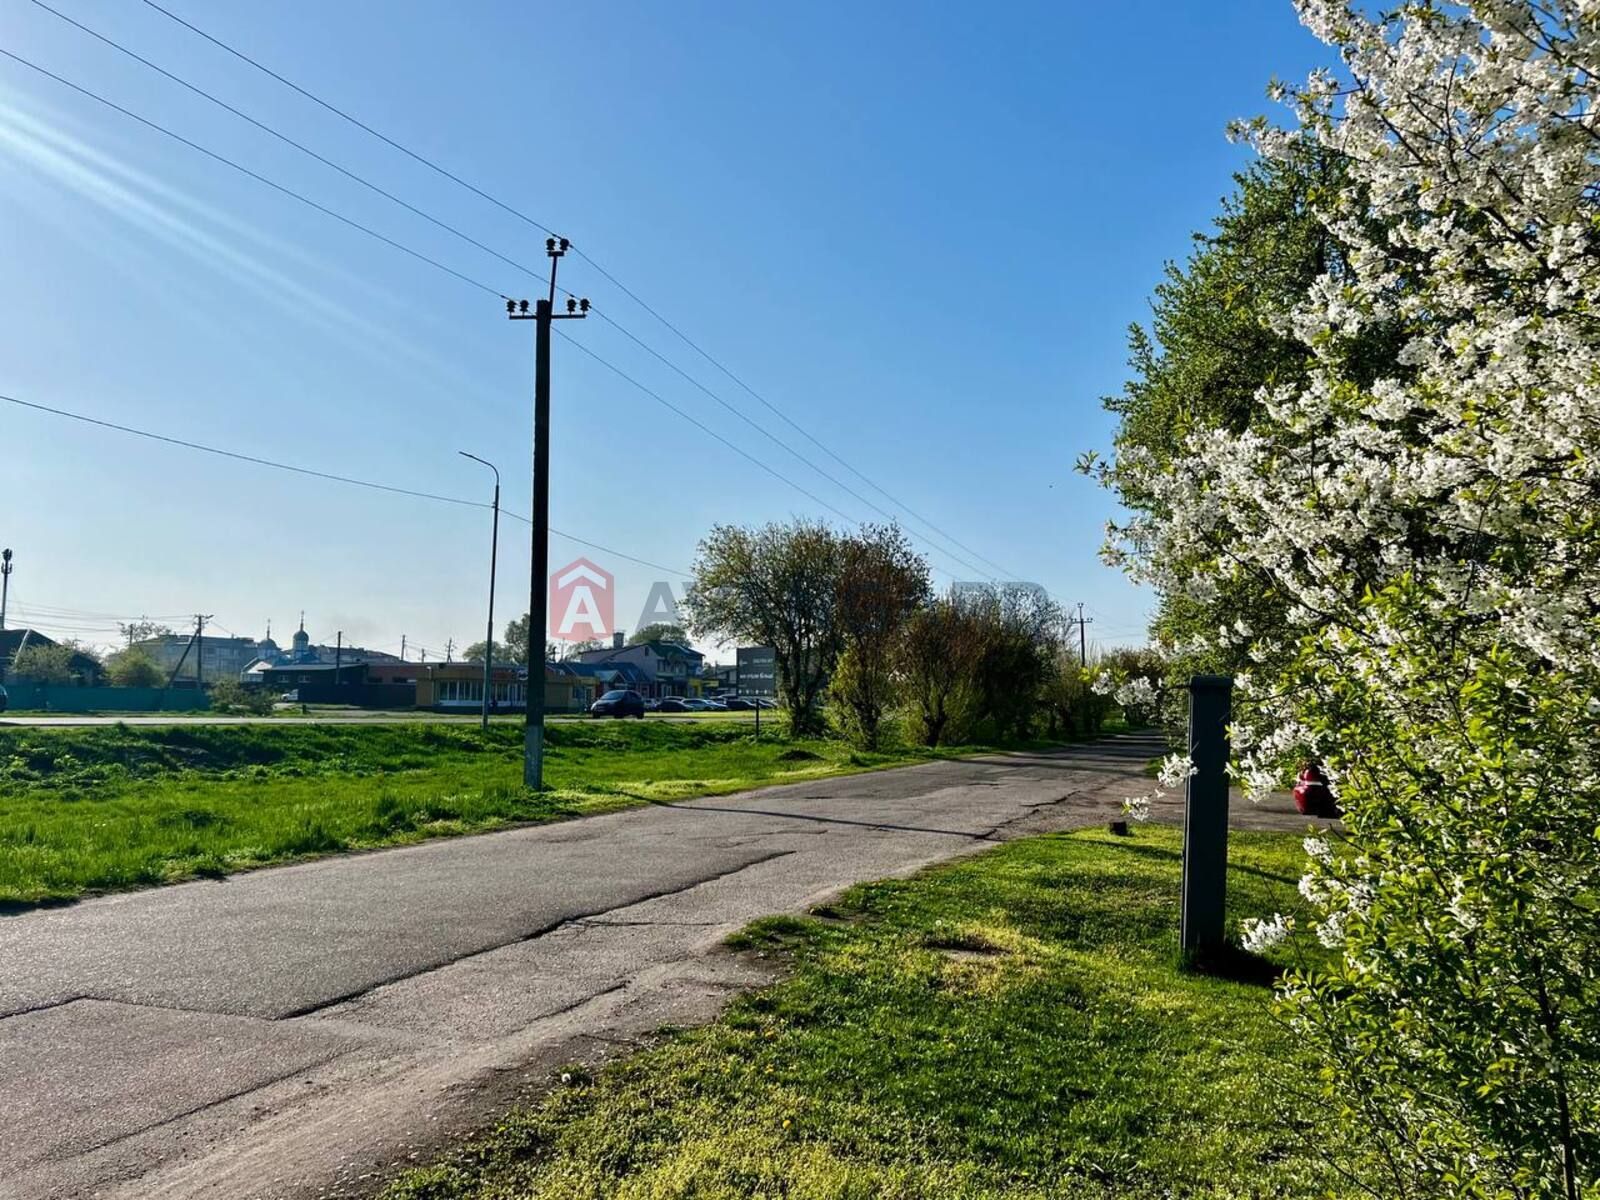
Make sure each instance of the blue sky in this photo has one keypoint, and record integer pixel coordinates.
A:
(919, 230)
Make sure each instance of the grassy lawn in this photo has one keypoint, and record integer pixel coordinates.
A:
(109, 807)
(1014, 1025)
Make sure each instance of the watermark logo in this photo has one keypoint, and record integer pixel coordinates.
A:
(582, 602)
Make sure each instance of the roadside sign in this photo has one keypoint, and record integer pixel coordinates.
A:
(757, 672)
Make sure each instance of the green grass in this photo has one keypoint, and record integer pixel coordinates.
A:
(1015, 1025)
(109, 807)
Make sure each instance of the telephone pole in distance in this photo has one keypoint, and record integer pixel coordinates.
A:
(538, 618)
(1082, 622)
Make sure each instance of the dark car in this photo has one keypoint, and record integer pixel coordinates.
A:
(618, 703)
(672, 704)
(736, 704)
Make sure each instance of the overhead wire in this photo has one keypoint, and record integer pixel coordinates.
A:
(520, 266)
(244, 170)
(414, 254)
(325, 475)
(512, 210)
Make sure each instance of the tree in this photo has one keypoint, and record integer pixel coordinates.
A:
(474, 653)
(1072, 704)
(774, 586)
(661, 631)
(1427, 526)
(936, 660)
(1019, 637)
(882, 581)
(143, 630)
(515, 647)
(133, 668)
(39, 663)
(1216, 339)
(571, 650)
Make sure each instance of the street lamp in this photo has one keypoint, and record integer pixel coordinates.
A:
(494, 550)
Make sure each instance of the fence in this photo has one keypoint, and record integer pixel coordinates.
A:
(64, 698)
(360, 695)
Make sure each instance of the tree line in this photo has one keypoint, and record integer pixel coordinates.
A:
(864, 643)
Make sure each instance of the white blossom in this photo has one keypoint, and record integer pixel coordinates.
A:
(1259, 934)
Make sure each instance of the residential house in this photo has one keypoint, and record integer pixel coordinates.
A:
(667, 668)
(85, 669)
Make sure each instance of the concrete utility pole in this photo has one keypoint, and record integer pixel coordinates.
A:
(1082, 623)
(338, 656)
(200, 620)
(5, 584)
(402, 647)
(494, 550)
(538, 618)
(1205, 819)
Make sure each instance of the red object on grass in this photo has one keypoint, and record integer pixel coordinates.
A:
(1312, 795)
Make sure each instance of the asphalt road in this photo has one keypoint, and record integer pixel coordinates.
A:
(303, 1030)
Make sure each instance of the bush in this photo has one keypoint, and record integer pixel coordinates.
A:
(133, 667)
(231, 696)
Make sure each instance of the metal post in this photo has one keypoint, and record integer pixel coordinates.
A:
(5, 584)
(338, 657)
(1205, 822)
(494, 550)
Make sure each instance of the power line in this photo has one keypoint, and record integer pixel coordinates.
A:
(325, 475)
(601, 270)
(465, 237)
(415, 254)
(286, 139)
(440, 266)
(244, 170)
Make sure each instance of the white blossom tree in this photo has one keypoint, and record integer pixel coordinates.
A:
(1434, 532)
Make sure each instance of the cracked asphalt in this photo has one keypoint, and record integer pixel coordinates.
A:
(304, 1030)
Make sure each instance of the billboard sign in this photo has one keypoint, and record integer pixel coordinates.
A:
(758, 671)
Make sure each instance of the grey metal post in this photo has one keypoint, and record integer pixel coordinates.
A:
(494, 551)
(1205, 820)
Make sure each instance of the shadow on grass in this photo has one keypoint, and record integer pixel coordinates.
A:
(1148, 851)
(1232, 963)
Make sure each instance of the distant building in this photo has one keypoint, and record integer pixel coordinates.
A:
(268, 656)
(667, 668)
(85, 669)
(214, 657)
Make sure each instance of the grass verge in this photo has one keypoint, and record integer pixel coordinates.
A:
(109, 807)
(1014, 1025)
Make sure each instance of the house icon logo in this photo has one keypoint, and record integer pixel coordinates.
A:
(582, 602)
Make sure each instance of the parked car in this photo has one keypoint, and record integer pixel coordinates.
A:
(4, 699)
(714, 704)
(736, 704)
(619, 702)
(651, 704)
(672, 704)
(763, 702)
(694, 703)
